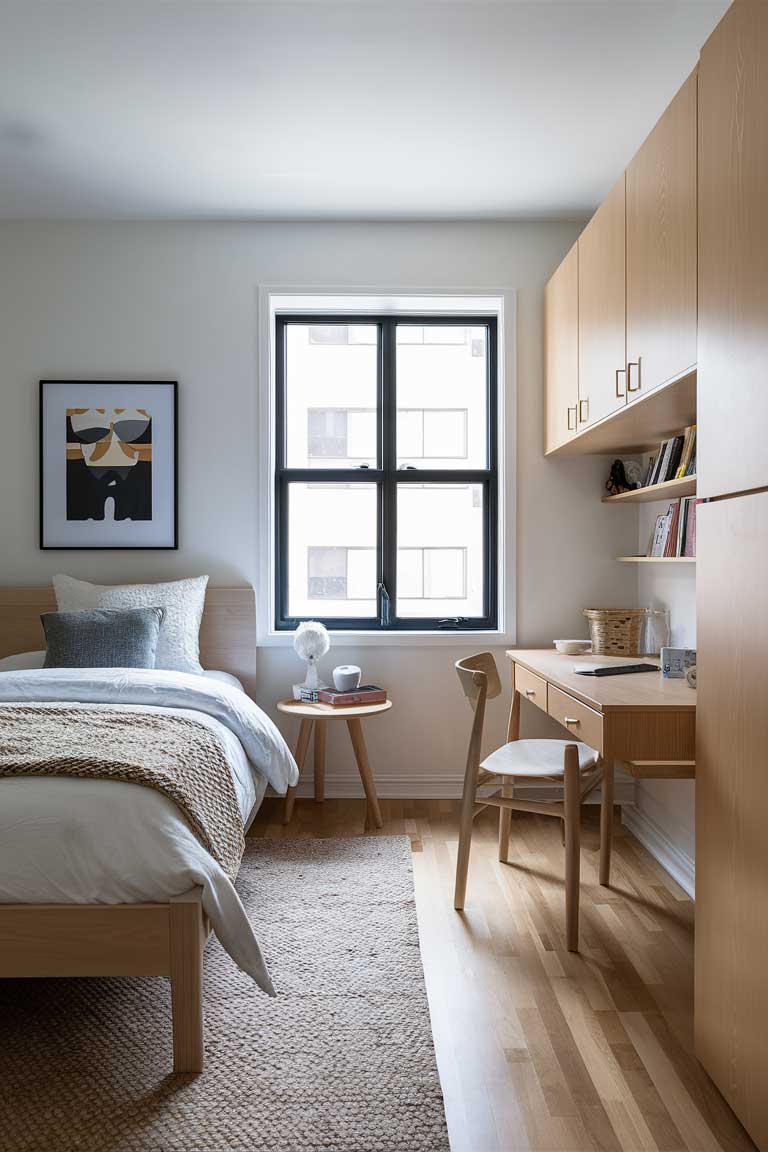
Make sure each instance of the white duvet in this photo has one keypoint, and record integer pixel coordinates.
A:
(66, 840)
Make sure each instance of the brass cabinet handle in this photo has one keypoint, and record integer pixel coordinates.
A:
(570, 720)
(620, 372)
(634, 364)
(572, 428)
(583, 419)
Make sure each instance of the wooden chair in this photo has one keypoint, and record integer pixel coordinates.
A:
(571, 762)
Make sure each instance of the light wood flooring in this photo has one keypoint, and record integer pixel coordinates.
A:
(539, 1048)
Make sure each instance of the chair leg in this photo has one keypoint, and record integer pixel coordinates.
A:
(572, 846)
(505, 819)
(465, 841)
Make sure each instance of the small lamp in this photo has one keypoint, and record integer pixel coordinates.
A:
(310, 643)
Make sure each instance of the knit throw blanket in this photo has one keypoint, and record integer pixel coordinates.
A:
(181, 758)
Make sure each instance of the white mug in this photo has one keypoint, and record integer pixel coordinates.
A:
(346, 677)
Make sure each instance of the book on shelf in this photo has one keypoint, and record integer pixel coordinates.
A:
(688, 455)
(365, 694)
(675, 458)
(674, 531)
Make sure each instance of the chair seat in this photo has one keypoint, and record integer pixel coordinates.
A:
(536, 758)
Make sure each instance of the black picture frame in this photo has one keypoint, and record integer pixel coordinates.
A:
(163, 532)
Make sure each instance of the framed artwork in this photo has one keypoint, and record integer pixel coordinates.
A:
(108, 464)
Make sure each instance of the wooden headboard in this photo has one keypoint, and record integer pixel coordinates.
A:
(227, 634)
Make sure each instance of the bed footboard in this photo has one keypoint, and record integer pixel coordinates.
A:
(117, 940)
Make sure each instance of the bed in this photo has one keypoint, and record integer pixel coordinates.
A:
(116, 903)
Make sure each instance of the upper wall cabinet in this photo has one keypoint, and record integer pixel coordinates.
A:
(661, 250)
(561, 324)
(733, 252)
(602, 315)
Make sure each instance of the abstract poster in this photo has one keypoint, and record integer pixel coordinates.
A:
(108, 464)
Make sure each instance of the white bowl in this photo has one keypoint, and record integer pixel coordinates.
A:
(573, 647)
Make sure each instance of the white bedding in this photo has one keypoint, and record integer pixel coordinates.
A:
(66, 840)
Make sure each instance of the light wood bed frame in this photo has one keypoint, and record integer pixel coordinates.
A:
(127, 939)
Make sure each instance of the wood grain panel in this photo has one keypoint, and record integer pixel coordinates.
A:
(84, 940)
(667, 734)
(583, 723)
(561, 328)
(530, 685)
(733, 242)
(732, 804)
(227, 633)
(661, 249)
(602, 311)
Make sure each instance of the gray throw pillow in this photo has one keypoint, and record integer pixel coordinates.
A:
(102, 638)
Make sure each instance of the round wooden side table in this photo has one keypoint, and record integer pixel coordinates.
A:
(317, 716)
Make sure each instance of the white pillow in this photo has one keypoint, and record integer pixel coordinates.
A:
(22, 661)
(178, 648)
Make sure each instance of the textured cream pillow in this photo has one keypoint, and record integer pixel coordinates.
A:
(178, 647)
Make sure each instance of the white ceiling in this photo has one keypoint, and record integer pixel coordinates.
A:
(311, 109)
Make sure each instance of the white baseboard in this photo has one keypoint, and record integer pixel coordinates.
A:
(679, 864)
(443, 787)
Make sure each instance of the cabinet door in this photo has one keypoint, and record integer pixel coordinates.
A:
(561, 324)
(733, 242)
(661, 249)
(731, 1012)
(602, 313)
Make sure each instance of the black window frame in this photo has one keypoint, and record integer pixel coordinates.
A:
(387, 478)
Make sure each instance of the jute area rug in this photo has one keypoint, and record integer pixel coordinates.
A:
(342, 1060)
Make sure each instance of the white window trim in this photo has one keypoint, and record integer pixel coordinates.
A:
(481, 302)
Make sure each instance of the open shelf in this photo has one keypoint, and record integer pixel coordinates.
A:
(640, 425)
(656, 559)
(670, 488)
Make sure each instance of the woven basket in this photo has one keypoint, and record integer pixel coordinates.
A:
(615, 631)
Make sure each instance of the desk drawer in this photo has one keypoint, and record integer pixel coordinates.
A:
(531, 686)
(585, 723)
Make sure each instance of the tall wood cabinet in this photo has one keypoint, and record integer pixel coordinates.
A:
(602, 313)
(731, 1011)
(661, 250)
(733, 256)
(561, 323)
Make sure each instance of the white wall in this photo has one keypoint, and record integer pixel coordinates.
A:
(180, 301)
(664, 815)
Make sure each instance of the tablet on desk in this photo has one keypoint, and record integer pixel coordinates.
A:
(613, 669)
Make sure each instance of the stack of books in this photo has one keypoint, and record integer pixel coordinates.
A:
(365, 694)
(675, 459)
(674, 533)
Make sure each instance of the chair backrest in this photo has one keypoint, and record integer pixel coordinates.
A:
(479, 677)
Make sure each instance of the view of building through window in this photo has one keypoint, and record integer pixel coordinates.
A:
(334, 418)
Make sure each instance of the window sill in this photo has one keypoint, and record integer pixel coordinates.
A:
(440, 639)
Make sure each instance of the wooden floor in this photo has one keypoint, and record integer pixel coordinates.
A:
(539, 1048)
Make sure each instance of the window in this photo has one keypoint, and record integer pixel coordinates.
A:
(386, 472)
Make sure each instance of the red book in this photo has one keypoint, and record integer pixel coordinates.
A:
(365, 694)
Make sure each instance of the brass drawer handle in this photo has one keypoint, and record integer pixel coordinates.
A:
(570, 720)
(584, 419)
(572, 427)
(634, 364)
(620, 372)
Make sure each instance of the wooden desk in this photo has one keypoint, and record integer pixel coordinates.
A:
(644, 720)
